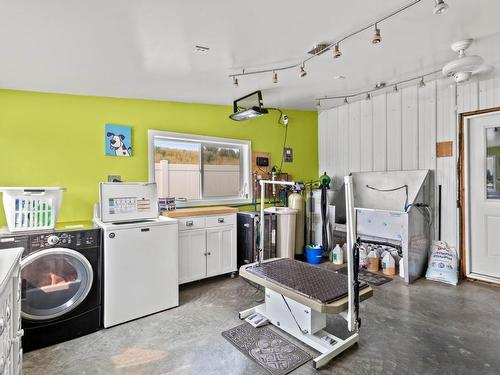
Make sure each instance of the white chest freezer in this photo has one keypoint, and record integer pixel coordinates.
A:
(140, 257)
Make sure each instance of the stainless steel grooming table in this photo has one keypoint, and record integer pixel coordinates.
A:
(298, 296)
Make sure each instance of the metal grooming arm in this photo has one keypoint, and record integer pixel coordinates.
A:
(262, 200)
(351, 238)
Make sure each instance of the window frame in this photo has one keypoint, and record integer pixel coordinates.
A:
(245, 162)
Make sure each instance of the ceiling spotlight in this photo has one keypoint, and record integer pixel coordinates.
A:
(368, 96)
(302, 71)
(336, 52)
(346, 101)
(395, 89)
(275, 77)
(377, 38)
(379, 85)
(235, 81)
(421, 83)
(440, 7)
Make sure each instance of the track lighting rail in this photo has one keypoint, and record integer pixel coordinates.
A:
(396, 86)
(330, 46)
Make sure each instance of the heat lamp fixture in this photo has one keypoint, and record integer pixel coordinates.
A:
(248, 107)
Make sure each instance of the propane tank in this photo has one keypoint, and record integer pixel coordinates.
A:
(296, 201)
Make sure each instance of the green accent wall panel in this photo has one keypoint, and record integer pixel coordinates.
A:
(58, 140)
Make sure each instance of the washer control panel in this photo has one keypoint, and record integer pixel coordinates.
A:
(72, 240)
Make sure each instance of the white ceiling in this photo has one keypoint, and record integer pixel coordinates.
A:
(145, 48)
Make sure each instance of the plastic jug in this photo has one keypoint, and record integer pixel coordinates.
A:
(401, 268)
(388, 264)
(362, 257)
(337, 255)
(344, 250)
(373, 261)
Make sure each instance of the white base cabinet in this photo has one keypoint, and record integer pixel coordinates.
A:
(207, 246)
(11, 354)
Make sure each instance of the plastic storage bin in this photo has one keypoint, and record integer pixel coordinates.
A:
(33, 208)
(286, 231)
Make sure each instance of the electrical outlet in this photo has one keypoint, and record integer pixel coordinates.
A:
(288, 152)
(114, 178)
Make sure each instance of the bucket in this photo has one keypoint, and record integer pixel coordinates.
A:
(314, 254)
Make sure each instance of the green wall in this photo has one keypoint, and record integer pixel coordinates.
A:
(57, 140)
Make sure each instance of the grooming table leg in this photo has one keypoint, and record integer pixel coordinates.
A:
(334, 350)
(261, 309)
(302, 323)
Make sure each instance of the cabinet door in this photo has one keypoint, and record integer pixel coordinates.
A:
(192, 258)
(221, 250)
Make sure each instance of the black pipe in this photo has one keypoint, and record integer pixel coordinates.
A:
(324, 212)
(355, 270)
(439, 212)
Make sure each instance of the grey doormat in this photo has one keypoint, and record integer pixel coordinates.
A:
(271, 351)
(368, 277)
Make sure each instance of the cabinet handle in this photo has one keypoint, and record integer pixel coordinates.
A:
(209, 253)
(2, 325)
(7, 313)
(189, 223)
(220, 220)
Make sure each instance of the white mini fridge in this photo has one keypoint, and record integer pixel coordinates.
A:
(140, 253)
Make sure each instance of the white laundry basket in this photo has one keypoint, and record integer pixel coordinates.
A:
(31, 208)
(286, 230)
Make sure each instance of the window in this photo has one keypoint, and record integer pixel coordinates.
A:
(200, 170)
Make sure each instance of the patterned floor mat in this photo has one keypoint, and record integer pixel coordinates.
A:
(271, 351)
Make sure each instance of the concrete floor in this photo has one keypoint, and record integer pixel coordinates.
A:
(426, 328)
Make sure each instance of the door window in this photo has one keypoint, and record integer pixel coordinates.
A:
(493, 163)
(54, 282)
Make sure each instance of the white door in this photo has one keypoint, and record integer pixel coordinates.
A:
(192, 257)
(483, 147)
(140, 272)
(221, 250)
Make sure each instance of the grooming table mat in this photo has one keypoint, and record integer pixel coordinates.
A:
(313, 282)
(264, 346)
(369, 277)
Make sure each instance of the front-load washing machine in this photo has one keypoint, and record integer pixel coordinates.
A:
(61, 284)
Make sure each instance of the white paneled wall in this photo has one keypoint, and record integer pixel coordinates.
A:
(399, 131)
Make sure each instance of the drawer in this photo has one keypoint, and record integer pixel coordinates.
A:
(187, 223)
(219, 220)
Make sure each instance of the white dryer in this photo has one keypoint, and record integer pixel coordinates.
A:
(140, 254)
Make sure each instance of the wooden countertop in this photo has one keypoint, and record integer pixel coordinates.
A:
(200, 211)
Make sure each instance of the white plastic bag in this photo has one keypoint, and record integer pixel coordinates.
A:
(443, 263)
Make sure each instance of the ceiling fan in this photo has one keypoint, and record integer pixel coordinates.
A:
(464, 66)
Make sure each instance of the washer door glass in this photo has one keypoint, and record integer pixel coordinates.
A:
(54, 282)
